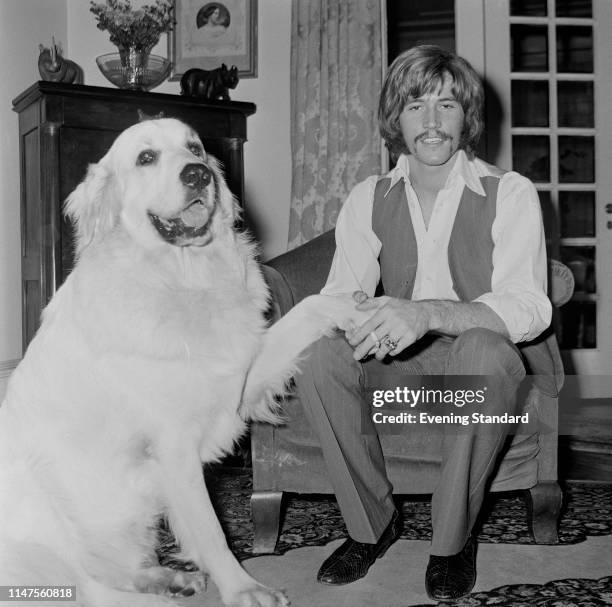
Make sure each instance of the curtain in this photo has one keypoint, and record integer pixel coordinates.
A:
(336, 77)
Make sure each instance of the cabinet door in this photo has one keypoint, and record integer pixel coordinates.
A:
(546, 63)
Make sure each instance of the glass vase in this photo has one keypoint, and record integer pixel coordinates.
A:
(134, 69)
(135, 64)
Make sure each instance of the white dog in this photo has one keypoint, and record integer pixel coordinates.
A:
(150, 359)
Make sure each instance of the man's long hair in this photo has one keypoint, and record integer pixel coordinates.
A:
(420, 71)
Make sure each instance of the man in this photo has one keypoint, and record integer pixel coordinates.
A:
(459, 249)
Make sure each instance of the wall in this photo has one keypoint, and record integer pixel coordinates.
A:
(267, 152)
(23, 25)
(26, 23)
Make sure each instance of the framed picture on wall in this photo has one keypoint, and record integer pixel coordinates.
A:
(208, 34)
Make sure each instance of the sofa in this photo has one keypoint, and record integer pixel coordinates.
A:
(287, 458)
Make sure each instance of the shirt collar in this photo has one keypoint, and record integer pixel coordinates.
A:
(464, 170)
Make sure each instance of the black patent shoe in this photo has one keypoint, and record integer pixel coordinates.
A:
(352, 559)
(451, 577)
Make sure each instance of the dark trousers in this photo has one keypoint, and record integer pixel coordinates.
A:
(332, 389)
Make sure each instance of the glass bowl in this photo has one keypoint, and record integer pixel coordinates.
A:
(139, 71)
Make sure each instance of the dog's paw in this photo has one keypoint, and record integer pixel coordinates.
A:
(258, 597)
(341, 310)
(186, 583)
(333, 311)
(163, 580)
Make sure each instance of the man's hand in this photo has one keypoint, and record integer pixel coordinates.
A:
(394, 325)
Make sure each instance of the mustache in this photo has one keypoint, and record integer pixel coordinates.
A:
(428, 135)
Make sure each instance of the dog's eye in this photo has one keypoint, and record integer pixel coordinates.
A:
(147, 157)
(196, 150)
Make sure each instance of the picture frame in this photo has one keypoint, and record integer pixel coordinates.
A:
(208, 34)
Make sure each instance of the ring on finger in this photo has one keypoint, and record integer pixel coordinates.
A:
(375, 339)
(389, 343)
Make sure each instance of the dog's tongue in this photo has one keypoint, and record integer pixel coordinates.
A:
(195, 216)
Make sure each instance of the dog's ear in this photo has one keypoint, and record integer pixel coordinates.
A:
(227, 203)
(92, 206)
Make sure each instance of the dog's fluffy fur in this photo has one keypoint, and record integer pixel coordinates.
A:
(151, 358)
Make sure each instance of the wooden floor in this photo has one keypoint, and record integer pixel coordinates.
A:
(585, 441)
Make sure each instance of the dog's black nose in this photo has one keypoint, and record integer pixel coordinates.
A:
(195, 176)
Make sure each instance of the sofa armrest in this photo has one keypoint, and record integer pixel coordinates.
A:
(281, 295)
(300, 272)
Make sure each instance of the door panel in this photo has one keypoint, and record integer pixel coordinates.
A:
(548, 74)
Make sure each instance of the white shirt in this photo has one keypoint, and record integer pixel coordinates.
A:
(519, 279)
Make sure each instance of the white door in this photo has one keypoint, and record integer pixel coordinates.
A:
(548, 66)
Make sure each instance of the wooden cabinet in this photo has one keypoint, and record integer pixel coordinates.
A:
(65, 127)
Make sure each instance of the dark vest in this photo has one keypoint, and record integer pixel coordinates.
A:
(470, 254)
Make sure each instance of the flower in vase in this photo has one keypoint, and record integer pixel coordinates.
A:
(134, 28)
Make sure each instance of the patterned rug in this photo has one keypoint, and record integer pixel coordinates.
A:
(316, 520)
(560, 593)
